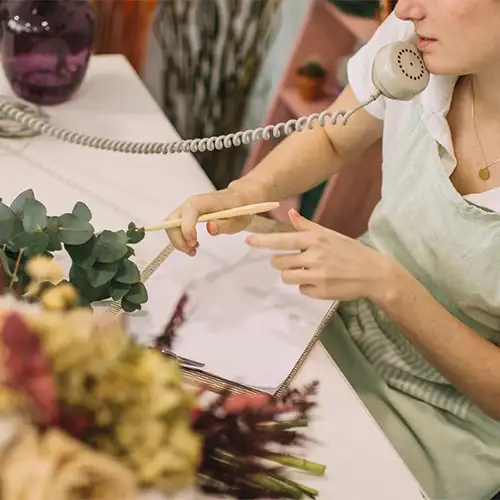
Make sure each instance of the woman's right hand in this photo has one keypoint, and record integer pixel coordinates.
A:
(185, 238)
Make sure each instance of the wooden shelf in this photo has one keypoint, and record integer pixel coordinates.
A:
(298, 107)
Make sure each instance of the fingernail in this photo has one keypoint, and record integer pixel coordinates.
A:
(192, 252)
(294, 212)
(213, 229)
(192, 243)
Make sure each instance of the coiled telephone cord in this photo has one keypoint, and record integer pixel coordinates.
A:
(19, 119)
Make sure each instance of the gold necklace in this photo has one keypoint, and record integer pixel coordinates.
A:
(484, 172)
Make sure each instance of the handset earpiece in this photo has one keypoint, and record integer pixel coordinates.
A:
(399, 71)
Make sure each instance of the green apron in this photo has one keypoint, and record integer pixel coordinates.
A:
(452, 247)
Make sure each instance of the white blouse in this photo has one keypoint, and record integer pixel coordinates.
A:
(435, 99)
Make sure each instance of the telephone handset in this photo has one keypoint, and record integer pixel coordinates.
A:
(398, 72)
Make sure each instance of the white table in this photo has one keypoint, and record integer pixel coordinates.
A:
(118, 188)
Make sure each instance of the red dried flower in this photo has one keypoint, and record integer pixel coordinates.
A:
(28, 371)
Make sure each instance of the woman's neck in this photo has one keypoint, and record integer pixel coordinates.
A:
(487, 92)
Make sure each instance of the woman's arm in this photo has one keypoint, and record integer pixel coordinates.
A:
(464, 358)
(306, 159)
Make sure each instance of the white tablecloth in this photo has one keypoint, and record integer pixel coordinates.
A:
(119, 188)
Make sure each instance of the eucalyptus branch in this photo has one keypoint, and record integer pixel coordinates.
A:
(101, 262)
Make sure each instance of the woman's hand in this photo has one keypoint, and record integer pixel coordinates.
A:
(185, 238)
(329, 265)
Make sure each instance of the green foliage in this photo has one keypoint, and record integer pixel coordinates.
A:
(101, 267)
(313, 69)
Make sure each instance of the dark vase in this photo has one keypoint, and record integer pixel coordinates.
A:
(46, 48)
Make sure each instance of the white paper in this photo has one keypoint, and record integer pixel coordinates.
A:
(242, 321)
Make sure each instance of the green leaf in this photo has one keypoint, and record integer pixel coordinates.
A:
(136, 235)
(52, 230)
(118, 290)
(101, 274)
(130, 307)
(18, 204)
(6, 266)
(10, 224)
(127, 273)
(138, 294)
(34, 215)
(94, 294)
(53, 223)
(74, 231)
(78, 278)
(130, 252)
(83, 212)
(84, 255)
(83, 301)
(111, 246)
(32, 243)
(54, 240)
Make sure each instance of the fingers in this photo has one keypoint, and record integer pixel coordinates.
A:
(298, 277)
(229, 226)
(189, 216)
(280, 241)
(291, 261)
(185, 238)
(300, 223)
(311, 291)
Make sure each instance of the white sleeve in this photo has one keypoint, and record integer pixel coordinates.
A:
(359, 67)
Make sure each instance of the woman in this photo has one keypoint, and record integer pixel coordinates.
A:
(420, 316)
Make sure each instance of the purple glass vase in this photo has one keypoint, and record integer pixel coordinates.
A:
(46, 48)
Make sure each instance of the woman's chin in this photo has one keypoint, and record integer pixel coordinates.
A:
(438, 64)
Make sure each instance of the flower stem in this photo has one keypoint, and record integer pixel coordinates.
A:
(276, 485)
(310, 492)
(284, 426)
(16, 268)
(299, 463)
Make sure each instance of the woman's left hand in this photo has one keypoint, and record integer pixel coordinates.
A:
(326, 264)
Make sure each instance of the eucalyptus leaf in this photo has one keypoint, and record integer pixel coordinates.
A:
(101, 274)
(34, 215)
(6, 265)
(10, 224)
(127, 273)
(78, 278)
(81, 211)
(32, 243)
(83, 301)
(53, 223)
(130, 252)
(52, 230)
(18, 203)
(130, 307)
(138, 294)
(95, 294)
(84, 255)
(118, 290)
(54, 240)
(111, 246)
(136, 235)
(74, 231)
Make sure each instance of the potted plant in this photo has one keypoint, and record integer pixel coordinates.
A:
(310, 79)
